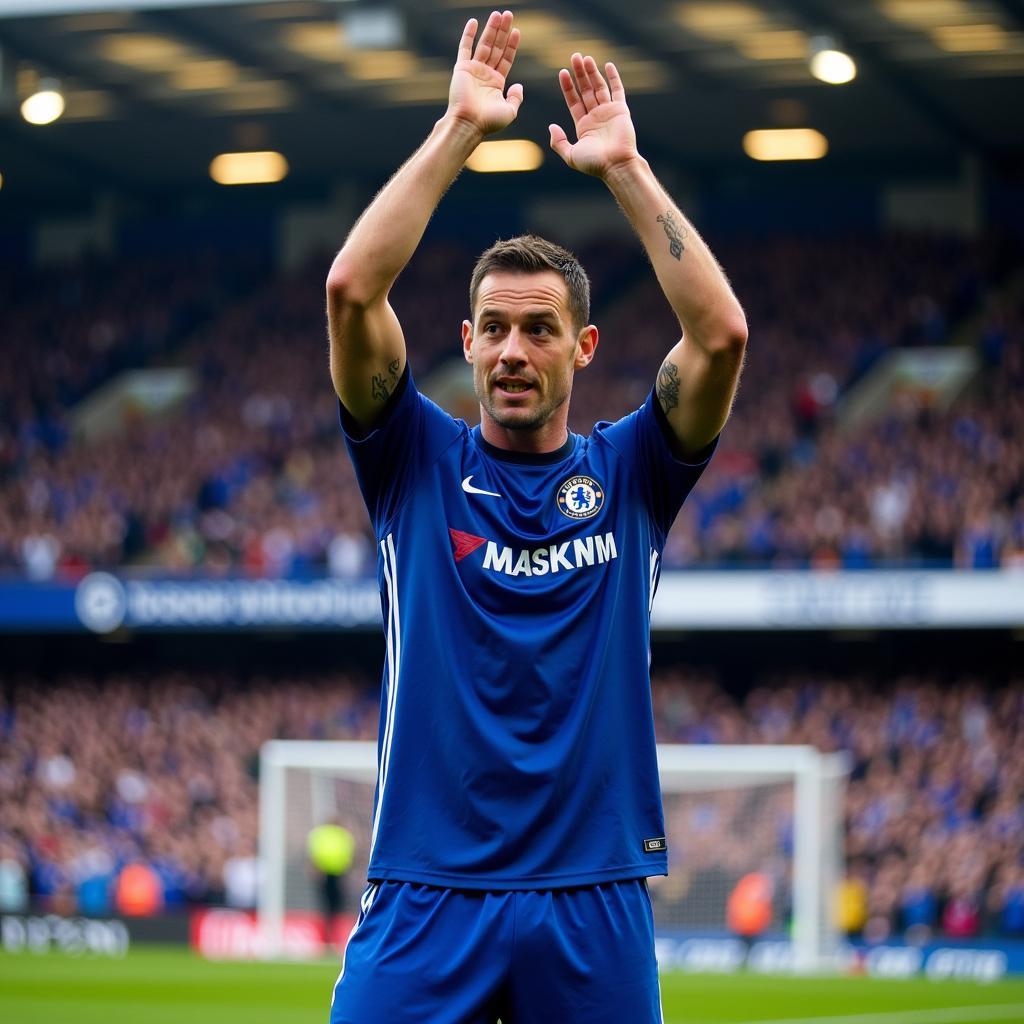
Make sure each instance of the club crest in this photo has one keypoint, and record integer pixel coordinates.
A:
(580, 497)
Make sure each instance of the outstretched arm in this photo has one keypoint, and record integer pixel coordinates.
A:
(367, 344)
(697, 380)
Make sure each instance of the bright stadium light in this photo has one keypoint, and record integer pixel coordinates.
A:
(829, 63)
(785, 144)
(506, 155)
(45, 105)
(262, 167)
(833, 67)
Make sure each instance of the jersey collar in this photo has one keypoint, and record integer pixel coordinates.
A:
(526, 458)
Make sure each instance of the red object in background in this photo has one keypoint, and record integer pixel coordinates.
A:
(805, 405)
(222, 934)
(749, 910)
(961, 919)
(138, 891)
(72, 566)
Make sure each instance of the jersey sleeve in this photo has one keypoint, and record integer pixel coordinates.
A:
(644, 439)
(409, 437)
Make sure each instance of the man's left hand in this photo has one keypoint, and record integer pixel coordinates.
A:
(605, 138)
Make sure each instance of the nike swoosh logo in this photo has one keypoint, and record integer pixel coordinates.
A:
(470, 489)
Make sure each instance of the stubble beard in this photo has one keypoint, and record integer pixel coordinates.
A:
(518, 419)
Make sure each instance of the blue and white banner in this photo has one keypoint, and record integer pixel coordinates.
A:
(873, 599)
(978, 960)
(103, 603)
(869, 599)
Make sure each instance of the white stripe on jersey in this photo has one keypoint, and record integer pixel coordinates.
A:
(653, 581)
(394, 656)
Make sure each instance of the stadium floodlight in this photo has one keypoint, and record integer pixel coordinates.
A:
(261, 167)
(505, 155)
(785, 144)
(45, 105)
(829, 63)
(729, 810)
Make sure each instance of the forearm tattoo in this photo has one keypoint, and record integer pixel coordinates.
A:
(668, 386)
(380, 386)
(675, 231)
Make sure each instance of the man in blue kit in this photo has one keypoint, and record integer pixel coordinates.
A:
(517, 810)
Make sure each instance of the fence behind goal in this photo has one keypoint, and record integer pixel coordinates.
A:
(730, 812)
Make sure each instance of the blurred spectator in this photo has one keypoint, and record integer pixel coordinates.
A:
(250, 476)
(961, 917)
(162, 775)
(242, 881)
(138, 891)
(919, 906)
(331, 849)
(852, 902)
(13, 880)
(748, 912)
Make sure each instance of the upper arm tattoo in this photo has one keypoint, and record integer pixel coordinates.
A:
(675, 231)
(668, 386)
(380, 386)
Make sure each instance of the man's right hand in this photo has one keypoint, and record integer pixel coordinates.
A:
(477, 95)
(367, 342)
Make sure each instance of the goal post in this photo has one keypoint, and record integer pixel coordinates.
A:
(803, 790)
(730, 810)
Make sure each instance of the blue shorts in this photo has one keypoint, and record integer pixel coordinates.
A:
(424, 955)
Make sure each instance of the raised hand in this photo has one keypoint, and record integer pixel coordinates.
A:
(477, 93)
(605, 137)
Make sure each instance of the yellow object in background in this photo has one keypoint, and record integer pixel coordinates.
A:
(851, 905)
(331, 848)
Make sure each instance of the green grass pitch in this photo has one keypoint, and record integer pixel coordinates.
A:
(173, 986)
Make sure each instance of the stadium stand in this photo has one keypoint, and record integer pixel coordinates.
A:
(97, 773)
(250, 475)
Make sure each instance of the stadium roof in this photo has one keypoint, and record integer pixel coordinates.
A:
(156, 88)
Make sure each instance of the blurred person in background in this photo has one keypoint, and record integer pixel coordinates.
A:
(241, 876)
(138, 891)
(852, 901)
(748, 912)
(331, 849)
(13, 879)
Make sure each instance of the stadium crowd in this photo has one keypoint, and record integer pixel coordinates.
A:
(250, 474)
(99, 776)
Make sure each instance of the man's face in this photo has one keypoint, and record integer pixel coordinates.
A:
(524, 347)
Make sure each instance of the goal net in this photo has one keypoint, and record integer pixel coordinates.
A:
(754, 839)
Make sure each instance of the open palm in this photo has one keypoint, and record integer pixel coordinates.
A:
(477, 93)
(604, 128)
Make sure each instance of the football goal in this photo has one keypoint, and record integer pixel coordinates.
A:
(731, 813)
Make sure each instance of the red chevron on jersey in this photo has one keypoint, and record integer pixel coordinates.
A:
(464, 543)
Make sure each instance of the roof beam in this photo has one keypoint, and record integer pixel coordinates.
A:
(821, 16)
(227, 45)
(1014, 9)
(34, 8)
(623, 29)
(65, 65)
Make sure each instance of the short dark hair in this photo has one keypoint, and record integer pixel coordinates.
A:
(531, 254)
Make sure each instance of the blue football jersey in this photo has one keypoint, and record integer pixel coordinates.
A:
(516, 746)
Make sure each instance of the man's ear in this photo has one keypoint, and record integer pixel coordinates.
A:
(586, 346)
(467, 340)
